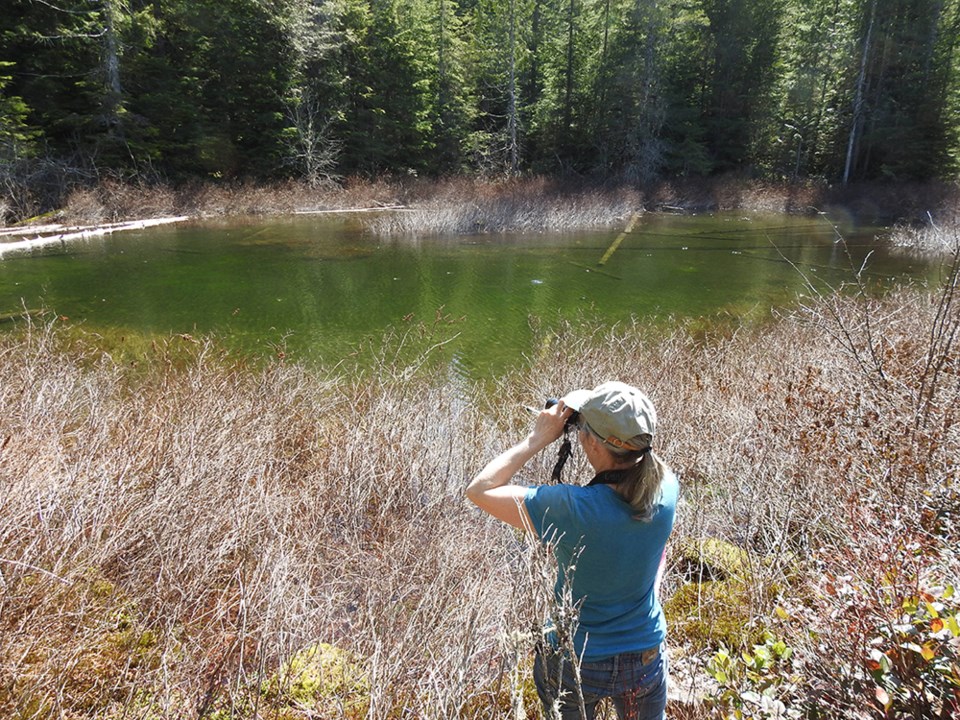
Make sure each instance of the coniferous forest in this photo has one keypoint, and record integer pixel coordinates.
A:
(631, 90)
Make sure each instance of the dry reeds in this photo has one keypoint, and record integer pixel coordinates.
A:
(176, 537)
(113, 201)
(531, 205)
(936, 236)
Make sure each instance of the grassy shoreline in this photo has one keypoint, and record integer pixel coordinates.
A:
(176, 536)
(535, 204)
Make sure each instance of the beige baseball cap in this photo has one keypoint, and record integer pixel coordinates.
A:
(618, 413)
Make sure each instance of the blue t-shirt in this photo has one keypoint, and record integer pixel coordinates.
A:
(615, 559)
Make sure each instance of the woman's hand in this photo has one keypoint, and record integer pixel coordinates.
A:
(490, 490)
(549, 424)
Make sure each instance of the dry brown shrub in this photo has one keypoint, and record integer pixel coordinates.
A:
(241, 516)
(84, 206)
(114, 201)
(172, 534)
(467, 206)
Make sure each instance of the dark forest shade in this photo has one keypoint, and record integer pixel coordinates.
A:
(625, 89)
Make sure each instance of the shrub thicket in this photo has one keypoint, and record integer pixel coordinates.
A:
(176, 533)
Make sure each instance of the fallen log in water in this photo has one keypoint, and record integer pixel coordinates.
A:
(61, 235)
(344, 211)
(19, 315)
(20, 230)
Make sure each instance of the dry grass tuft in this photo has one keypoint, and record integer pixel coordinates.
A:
(463, 206)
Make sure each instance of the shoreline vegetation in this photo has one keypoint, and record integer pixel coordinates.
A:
(184, 533)
(472, 205)
(187, 535)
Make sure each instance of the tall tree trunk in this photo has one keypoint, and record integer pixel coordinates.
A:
(601, 66)
(568, 94)
(649, 57)
(442, 60)
(646, 150)
(814, 140)
(533, 91)
(514, 148)
(858, 96)
(111, 68)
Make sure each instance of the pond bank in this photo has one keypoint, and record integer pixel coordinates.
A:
(464, 204)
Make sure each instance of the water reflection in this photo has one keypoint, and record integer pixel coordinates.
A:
(323, 289)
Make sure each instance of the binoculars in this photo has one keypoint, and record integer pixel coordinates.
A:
(571, 421)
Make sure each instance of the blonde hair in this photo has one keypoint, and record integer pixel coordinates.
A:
(639, 482)
(640, 485)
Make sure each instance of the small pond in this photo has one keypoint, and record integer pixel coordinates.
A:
(320, 286)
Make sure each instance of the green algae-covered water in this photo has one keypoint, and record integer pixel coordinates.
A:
(318, 287)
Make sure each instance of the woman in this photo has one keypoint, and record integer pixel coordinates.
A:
(609, 538)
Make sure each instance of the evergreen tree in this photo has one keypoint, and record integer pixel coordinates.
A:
(818, 41)
(314, 104)
(686, 87)
(900, 125)
(59, 71)
(385, 91)
(568, 36)
(840, 89)
(630, 107)
(742, 43)
(16, 137)
(498, 61)
(240, 60)
(441, 38)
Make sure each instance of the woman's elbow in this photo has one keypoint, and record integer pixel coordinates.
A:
(473, 492)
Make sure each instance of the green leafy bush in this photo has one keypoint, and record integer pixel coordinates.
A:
(757, 684)
(915, 662)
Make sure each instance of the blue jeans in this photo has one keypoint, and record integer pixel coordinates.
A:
(638, 691)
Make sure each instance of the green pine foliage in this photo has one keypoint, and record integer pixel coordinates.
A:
(56, 60)
(16, 137)
(813, 88)
(629, 103)
(904, 133)
(632, 90)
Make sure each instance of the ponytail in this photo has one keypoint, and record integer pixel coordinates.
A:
(639, 482)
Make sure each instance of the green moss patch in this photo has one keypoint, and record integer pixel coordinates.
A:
(708, 559)
(713, 607)
(324, 680)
